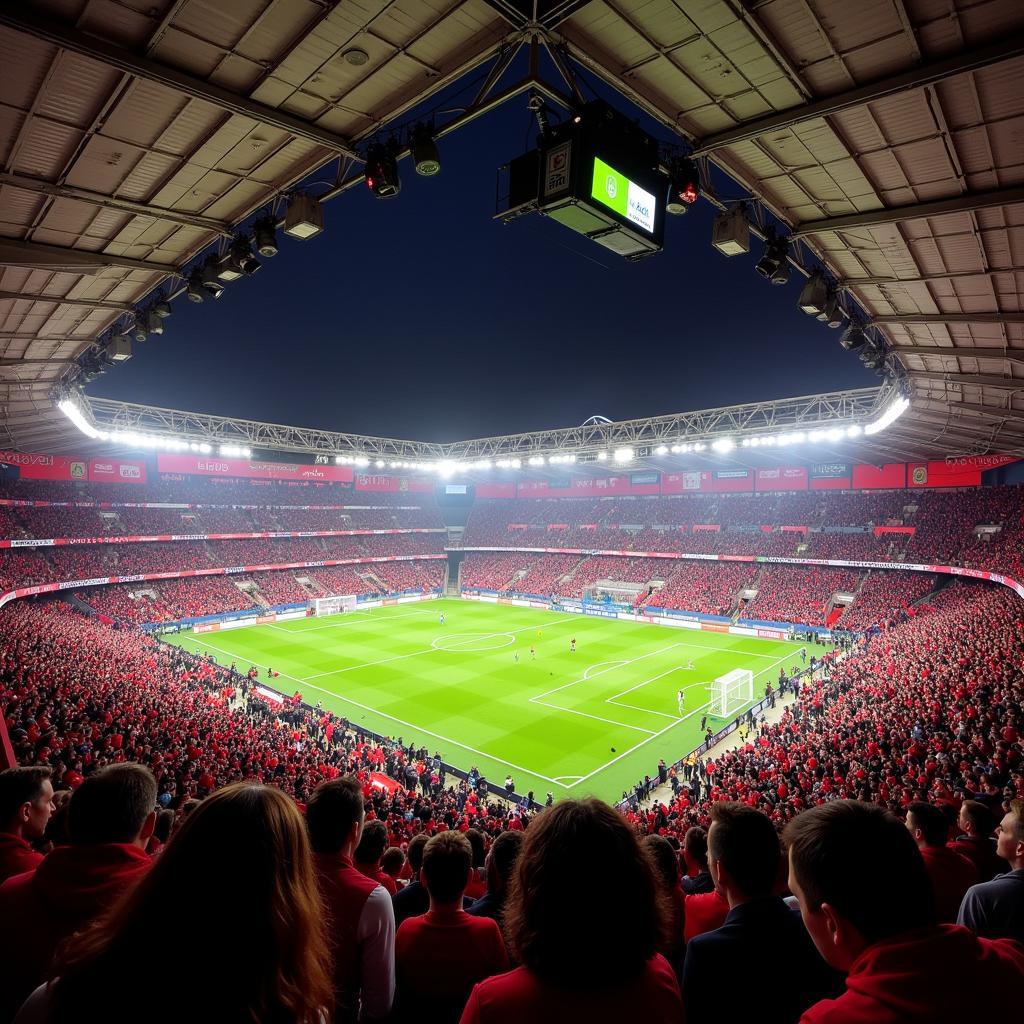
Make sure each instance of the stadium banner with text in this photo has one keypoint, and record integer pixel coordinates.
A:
(386, 484)
(214, 465)
(782, 478)
(826, 476)
(38, 542)
(117, 471)
(963, 471)
(37, 466)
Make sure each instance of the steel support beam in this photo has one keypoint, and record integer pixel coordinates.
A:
(16, 253)
(987, 380)
(127, 206)
(971, 409)
(124, 307)
(69, 38)
(949, 318)
(917, 77)
(912, 211)
(858, 282)
(1008, 355)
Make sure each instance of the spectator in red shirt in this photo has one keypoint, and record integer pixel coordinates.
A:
(368, 853)
(880, 926)
(951, 875)
(110, 820)
(975, 840)
(584, 921)
(442, 954)
(704, 912)
(235, 893)
(361, 923)
(26, 803)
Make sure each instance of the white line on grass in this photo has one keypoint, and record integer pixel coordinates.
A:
(662, 732)
(400, 721)
(347, 622)
(602, 664)
(584, 714)
(611, 664)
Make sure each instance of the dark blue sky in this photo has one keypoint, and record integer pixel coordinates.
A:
(421, 316)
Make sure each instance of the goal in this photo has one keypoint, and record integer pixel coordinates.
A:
(731, 693)
(333, 605)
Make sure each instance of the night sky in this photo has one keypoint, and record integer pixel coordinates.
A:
(422, 317)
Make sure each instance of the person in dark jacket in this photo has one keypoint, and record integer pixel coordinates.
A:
(110, 821)
(501, 860)
(745, 859)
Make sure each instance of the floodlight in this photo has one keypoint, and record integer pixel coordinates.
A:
(832, 314)
(684, 186)
(238, 261)
(382, 171)
(210, 279)
(854, 338)
(774, 264)
(602, 456)
(661, 450)
(304, 217)
(120, 348)
(139, 331)
(872, 357)
(154, 322)
(265, 233)
(623, 455)
(162, 307)
(195, 286)
(730, 234)
(423, 148)
(723, 444)
(814, 294)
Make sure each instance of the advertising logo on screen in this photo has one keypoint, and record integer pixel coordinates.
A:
(626, 198)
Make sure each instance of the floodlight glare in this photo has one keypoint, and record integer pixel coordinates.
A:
(382, 171)
(723, 444)
(623, 455)
(304, 217)
(423, 148)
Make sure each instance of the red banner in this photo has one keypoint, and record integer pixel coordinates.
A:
(36, 466)
(496, 490)
(214, 465)
(117, 471)
(879, 530)
(954, 473)
(782, 478)
(891, 475)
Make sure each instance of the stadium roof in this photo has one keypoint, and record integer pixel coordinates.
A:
(885, 133)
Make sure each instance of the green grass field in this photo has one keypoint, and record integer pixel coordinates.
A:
(590, 722)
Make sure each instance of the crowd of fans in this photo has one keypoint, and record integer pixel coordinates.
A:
(158, 769)
(709, 588)
(796, 593)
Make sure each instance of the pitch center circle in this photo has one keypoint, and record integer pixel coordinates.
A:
(473, 641)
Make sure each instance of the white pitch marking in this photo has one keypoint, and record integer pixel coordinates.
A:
(632, 661)
(602, 664)
(584, 714)
(347, 622)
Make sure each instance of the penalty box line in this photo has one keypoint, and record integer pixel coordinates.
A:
(671, 725)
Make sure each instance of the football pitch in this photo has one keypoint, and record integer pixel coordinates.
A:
(593, 721)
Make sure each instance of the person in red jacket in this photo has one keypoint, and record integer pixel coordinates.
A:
(584, 921)
(26, 803)
(951, 875)
(361, 918)
(442, 954)
(110, 820)
(880, 926)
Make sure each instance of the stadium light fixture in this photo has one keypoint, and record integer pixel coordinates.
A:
(774, 264)
(238, 261)
(264, 233)
(154, 322)
(684, 186)
(234, 451)
(194, 286)
(814, 294)
(210, 280)
(893, 411)
(661, 450)
(624, 455)
(423, 148)
(382, 177)
(73, 413)
(853, 339)
(730, 234)
(854, 430)
(536, 460)
(304, 217)
(602, 456)
(723, 444)
(161, 307)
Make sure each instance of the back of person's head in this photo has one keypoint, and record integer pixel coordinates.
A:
(113, 805)
(743, 849)
(928, 823)
(583, 907)
(663, 860)
(695, 845)
(333, 811)
(18, 787)
(447, 859)
(415, 851)
(978, 816)
(857, 866)
(477, 844)
(373, 843)
(164, 825)
(392, 861)
(501, 860)
(235, 886)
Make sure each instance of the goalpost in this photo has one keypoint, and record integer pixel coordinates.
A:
(335, 605)
(731, 693)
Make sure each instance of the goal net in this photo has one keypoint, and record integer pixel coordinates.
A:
(732, 692)
(333, 605)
